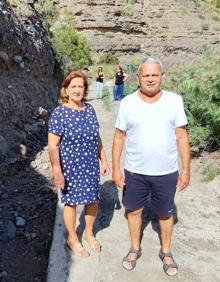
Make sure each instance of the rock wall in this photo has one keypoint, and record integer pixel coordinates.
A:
(27, 86)
(175, 30)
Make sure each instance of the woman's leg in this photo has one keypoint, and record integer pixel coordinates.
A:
(69, 214)
(101, 88)
(97, 89)
(90, 216)
(116, 92)
(120, 91)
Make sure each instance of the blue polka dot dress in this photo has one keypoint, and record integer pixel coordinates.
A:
(79, 131)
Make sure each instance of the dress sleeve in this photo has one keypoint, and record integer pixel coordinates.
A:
(56, 122)
(94, 114)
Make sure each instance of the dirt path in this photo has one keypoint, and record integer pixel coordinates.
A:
(195, 240)
(27, 212)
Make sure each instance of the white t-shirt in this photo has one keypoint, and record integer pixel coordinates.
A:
(150, 144)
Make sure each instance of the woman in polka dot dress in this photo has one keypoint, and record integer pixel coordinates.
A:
(75, 148)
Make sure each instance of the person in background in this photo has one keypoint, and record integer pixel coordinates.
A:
(120, 78)
(86, 71)
(99, 82)
(151, 123)
(75, 148)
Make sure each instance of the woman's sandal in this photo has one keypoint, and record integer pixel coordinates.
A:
(93, 243)
(131, 261)
(81, 252)
(167, 266)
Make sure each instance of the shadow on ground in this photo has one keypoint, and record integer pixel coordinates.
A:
(109, 202)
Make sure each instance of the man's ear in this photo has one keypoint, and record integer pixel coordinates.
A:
(163, 76)
(137, 77)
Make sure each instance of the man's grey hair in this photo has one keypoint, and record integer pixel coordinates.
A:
(152, 60)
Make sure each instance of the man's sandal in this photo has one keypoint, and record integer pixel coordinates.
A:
(132, 262)
(167, 266)
(77, 249)
(93, 243)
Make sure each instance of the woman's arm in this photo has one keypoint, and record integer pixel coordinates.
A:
(125, 76)
(53, 148)
(103, 158)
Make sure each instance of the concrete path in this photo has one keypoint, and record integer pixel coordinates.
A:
(111, 230)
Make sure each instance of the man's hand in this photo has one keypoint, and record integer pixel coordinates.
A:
(118, 178)
(183, 181)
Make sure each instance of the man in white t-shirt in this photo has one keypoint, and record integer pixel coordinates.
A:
(151, 123)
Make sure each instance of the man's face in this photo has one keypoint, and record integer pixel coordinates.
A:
(150, 78)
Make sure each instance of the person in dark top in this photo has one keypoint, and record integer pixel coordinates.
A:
(99, 82)
(120, 78)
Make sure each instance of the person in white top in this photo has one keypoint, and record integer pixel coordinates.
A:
(151, 123)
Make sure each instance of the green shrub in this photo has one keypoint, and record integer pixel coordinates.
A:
(130, 87)
(108, 58)
(215, 3)
(183, 10)
(205, 26)
(216, 18)
(209, 173)
(127, 9)
(22, 8)
(200, 87)
(109, 34)
(48, 11)
(106, 97)
(71, 50)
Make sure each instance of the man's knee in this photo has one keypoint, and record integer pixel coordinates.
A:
(166, 217)
(135, 213)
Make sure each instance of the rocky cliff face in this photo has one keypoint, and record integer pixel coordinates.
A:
(177, 31)
(27, 86)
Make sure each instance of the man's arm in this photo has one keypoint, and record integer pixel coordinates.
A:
(184, 152)
(118, 143)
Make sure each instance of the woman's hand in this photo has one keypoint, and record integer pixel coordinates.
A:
(59, 180)
(105, 168)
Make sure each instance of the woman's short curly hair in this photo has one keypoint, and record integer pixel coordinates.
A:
(64, 97)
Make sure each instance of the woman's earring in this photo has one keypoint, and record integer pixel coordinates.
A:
(66, 94)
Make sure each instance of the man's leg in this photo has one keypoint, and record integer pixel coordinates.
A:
(162, 193)
(166, 230)
(134, 226)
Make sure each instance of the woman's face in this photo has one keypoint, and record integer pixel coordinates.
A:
(76, 90)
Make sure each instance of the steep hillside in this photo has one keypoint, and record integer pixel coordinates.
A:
(175, 30)
(27, 92)
(26, 79)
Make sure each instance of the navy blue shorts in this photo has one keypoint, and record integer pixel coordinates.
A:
(161, 188)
